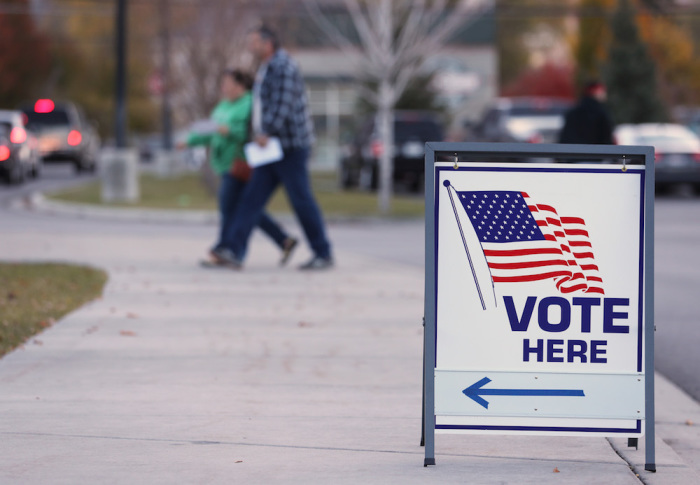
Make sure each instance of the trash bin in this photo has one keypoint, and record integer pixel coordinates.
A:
(119, 175)
(167, 163)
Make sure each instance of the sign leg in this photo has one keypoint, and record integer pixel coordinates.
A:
(422, 424)
(649, 322)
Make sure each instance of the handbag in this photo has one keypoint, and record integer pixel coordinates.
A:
(241, 170)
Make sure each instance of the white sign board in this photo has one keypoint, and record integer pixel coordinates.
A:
(539, 305)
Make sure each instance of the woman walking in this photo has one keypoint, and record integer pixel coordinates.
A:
(232, 117)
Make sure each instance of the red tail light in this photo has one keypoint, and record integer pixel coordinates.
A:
(696, 157)
(18, 135)
(74, 138)
(377, 149)
(44, 106)
(4, 153)
(536, 138)
(658, 156)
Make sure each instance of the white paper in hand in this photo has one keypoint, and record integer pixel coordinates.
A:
(257, 155)
(204, 127)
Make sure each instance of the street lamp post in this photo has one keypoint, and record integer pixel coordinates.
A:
(165, 73)
(119, 165)
(120, 108)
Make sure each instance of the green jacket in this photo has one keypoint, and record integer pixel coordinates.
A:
(223, 149)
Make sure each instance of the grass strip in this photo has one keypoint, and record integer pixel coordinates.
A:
(33, 296)
(187, 191)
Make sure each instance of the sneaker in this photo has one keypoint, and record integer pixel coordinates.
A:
(210, 263)
(225, 257)
(289, 245)
(317, 262)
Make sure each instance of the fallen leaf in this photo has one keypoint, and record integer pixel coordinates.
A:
(239, 461)
(37, 342)
(11, 296)
(556, 470)
(689, 422)
(127, 333)
(305, 324)
(131, 315)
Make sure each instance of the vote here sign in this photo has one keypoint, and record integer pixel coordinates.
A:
(539, 272)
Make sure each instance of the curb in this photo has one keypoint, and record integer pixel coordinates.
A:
(38, 202)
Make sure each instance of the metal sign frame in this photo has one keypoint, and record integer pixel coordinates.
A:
(463, 154)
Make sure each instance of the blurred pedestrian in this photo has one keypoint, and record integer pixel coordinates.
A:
(589, 121)
(280, 110)
(231, 119)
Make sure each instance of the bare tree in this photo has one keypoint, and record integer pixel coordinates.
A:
(208, 41)
(395, 38)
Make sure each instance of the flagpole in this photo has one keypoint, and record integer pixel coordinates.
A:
(446, 183)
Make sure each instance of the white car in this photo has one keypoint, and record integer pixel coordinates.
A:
(677, 150)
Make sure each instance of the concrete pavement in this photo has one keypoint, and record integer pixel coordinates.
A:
(184, 375)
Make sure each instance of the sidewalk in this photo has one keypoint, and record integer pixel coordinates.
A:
(185, 375)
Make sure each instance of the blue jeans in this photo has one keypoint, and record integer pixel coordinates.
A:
(230, 195)
(292, 172)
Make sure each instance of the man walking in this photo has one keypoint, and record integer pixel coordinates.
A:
(589, 122)
(279, 110)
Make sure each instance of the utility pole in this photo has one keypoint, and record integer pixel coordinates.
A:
(166, 111)
(120, 108)
(119, 170)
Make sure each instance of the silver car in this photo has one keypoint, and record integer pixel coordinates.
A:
(522, 120)
(677, 151)
(64, 133)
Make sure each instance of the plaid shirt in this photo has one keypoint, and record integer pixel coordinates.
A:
(285, 112)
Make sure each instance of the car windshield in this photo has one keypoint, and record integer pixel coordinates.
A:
(532, 111)
(419, 130)
(54, 118)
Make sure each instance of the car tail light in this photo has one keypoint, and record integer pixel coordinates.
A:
(74, 138)
(44, 106)
(4, 153)
(18, 135)
(377, 148)
(536, 138)
(696, 157)
(658, 156)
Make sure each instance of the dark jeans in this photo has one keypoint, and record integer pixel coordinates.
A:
(230, 195)
(292, 172)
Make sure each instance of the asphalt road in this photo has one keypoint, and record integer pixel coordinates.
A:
(677, 287)
(54, 176)
(677, 276)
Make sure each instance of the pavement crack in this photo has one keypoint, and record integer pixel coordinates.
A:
(632, 466)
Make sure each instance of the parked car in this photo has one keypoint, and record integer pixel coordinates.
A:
(23, 141)
(412, 129)
(518, 120)
(12, 170)
(64, 133)
(677, 151)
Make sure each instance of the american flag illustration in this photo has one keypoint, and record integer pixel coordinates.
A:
(527, 241)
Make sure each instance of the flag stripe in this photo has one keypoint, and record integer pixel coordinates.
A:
(534, 277)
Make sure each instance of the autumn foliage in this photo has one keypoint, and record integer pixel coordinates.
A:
(548, 80)
(24, 56)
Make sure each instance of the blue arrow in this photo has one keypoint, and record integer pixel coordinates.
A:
(475, 392)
